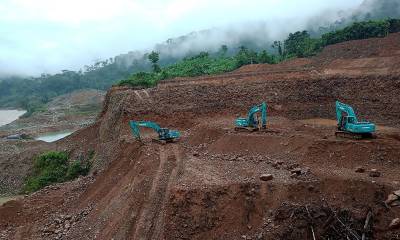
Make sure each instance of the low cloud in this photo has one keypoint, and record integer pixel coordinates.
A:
(49, 36)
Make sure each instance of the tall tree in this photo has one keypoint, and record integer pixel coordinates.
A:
(154, 57)
(223, 50)
(279, 47)
(300, 44)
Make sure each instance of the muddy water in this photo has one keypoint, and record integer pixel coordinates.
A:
(7, 116)
(52, 137)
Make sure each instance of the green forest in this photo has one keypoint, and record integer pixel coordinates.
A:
(298, 44)
(32, 93)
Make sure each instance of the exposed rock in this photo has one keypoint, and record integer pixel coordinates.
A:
(395, 203)
(275, 165)
(391, 198)
(395, 224)
(374, 173)
(296, 171)
(360, 169)
(397, 193)
(266, 177)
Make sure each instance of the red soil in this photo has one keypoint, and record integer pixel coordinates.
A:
(207, 185)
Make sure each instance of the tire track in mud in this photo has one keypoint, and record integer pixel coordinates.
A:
(150, 224)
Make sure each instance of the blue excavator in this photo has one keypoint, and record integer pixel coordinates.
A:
(348, 125)
(165, 135)
(252, 123)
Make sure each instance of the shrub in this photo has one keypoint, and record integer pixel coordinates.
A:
(394, 25)
(53, 167)
(141, 79)
(76, 169)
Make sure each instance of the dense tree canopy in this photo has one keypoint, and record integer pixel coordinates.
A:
(300, 44)
(358, 30)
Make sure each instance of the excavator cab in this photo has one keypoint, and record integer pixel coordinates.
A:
(163, 133)
(167, 134)
(350, 120)
(344, 121)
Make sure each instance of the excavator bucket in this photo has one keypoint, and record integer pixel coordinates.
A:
(263, 115)
(135, 129)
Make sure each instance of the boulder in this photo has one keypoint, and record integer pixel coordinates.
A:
(266, 177)
(296, 171)
(397, 193)
(395, 224)
(374, 173)
(391, 198)
(359, 169)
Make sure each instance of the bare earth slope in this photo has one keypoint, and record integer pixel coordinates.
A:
(207, 185)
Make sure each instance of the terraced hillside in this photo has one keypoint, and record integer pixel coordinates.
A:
(208, 185)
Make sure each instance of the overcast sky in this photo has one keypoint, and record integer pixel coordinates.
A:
(50, 35)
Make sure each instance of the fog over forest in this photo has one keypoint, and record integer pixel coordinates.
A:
(43, 36)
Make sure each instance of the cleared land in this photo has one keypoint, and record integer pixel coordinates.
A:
(207, 186)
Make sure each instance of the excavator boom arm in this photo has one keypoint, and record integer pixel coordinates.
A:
(151, 125)
(260, 108)
(252, 113)
(343, 108)
(263, 115)
(135, 127)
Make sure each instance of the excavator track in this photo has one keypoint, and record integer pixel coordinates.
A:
(356, 136)
(246, 129)
(258, 130)
(163, 142)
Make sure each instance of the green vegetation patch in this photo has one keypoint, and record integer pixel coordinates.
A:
(199, 65)
(301, 44)
(358, 30)
(143, 79)
(54, 167)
